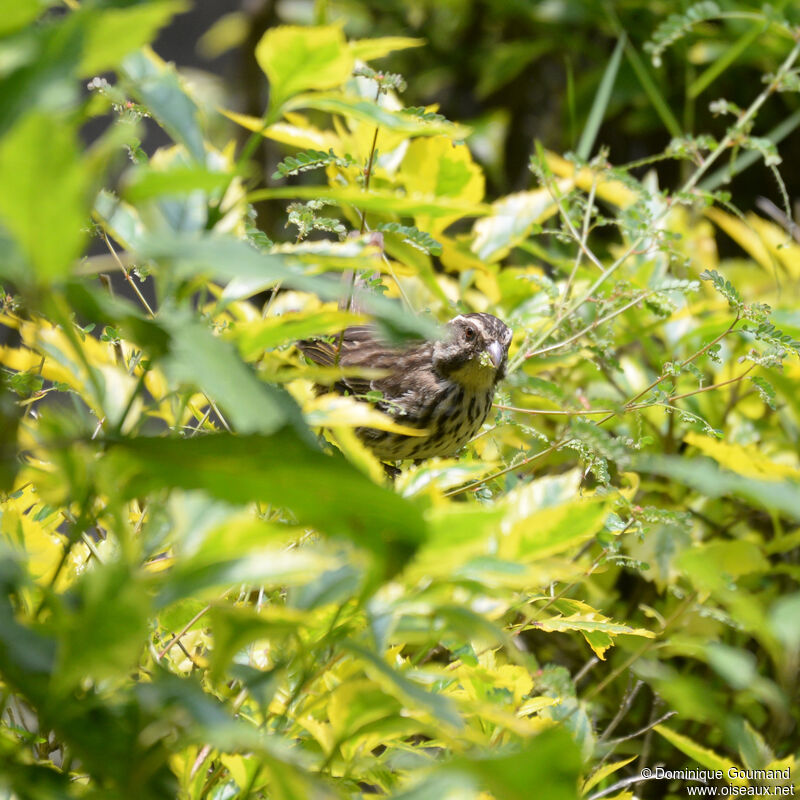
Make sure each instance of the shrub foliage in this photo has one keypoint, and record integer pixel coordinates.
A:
(209, 588)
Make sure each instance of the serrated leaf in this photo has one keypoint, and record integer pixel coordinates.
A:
(161, 91)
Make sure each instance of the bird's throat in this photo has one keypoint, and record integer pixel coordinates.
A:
(474, 375)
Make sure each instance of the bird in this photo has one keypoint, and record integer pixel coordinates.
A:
(443, 387)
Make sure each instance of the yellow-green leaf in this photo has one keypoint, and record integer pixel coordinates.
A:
(296, 59)
(512, 219)
(296, 132)
(604, 772)
(378, 201)
(334, 411)
(44, 193)
(364, 110)
(553, 530)
(711, 566)
(254, 337)
(700, 755)
(746, 460)
(442, 169)
(112, 33)
(368, 49)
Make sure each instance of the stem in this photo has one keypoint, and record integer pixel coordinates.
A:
(683, 363)
(639, 653)
(731, 136)
(370, 164)
(545, 413)
(127, 275)
(177, 637)
(596, 324)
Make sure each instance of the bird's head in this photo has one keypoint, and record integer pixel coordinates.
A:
(473, 351)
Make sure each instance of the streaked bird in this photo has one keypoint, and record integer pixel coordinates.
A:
(444, 387)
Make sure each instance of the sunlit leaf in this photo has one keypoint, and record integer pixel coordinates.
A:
(295, 59)
(47, 224)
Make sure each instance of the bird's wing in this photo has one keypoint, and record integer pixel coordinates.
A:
(318, 350)
(358, 346)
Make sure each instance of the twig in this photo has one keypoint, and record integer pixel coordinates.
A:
(639, 653)
(127, 275)
(178, 636)
(596, 324)
(731, 136)
(627, 702)
(620, 785)
(649, 726)
(546, 413)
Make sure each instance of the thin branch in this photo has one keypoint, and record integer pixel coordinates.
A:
(545, 413)
(183, 631)
(639, 653)
(713, 386)
(127, 275)
(683, 363)
(627, 702)
(649, 726)
(596, 324)
(620, 785)
(731, 136)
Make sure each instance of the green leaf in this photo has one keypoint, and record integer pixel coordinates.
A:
(228, 258)
(146, 183)
(279, 470)
(15, 15)
(211, 364)
(363, 110)
(113, 33)
(601, 101)
(296, 59)
(159, 89)
(406, 691)
(699, 755)
(308, 160)
(551, 759)
(725, 59)
(705, 477)
(713, 565)
(655, 96)
(106, 630)
(233, 628)
(552, 530)
(44, 193)
(676, 26)
(413, 236)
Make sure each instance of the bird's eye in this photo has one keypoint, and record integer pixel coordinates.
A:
(469, 334)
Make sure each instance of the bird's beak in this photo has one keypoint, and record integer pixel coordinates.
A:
(495, 351)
